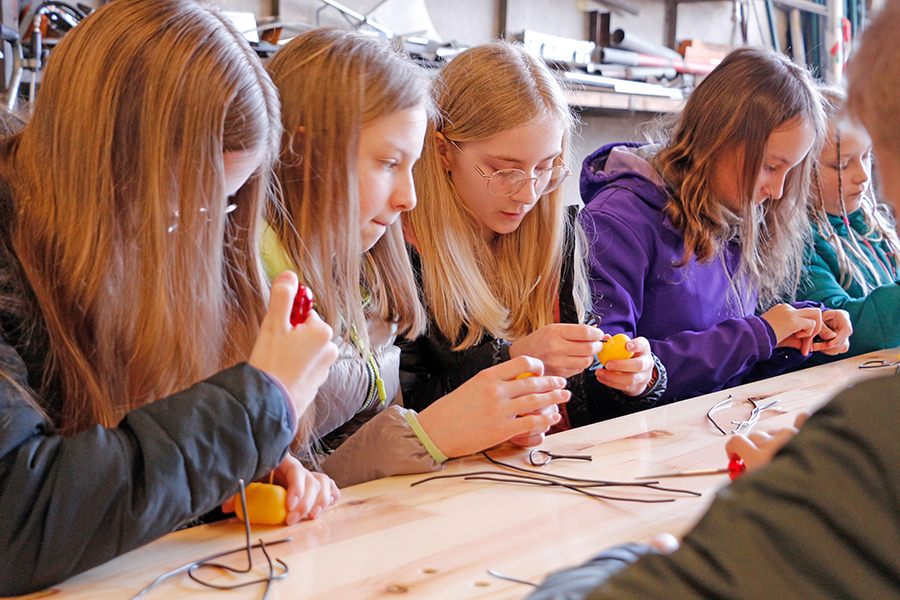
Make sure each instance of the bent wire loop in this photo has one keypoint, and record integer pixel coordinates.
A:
(740, 426)
(206, 563)
(523, 476)
(878, 364)
(539, 458)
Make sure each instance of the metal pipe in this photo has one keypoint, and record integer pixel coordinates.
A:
(629, 41)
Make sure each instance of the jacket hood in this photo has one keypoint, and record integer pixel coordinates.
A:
(623, 164)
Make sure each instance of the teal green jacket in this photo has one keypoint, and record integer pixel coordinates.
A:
(876, 317)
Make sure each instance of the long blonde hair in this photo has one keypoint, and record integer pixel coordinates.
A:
(750, 94)
(333, 82)
(880, 225)
(506, 288)
(142, 281)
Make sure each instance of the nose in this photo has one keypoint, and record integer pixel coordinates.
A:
(859, 174)
(774, 187)
(526, 194)
(404, 196)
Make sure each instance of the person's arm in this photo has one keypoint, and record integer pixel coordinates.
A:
(820, 521)
(69, 504)
(875, 317)
(593, 402)
(389, 444)
(430, 369)
(697, 362)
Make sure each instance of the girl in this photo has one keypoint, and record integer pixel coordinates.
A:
(688, 237)
(128, 280)
(497, 256)
(354, 114)
(854, 265)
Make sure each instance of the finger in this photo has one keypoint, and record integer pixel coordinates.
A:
(323, 498)
(512, 368)
(806, 345)
(281, 298)
(296, 490)
(666, 543)
(308, 500)
(578, 333)
(623, 381)
(826, 332)
(335, 491)
(635, 364)
(530, 425)
(534, 385)
(801, 419)
(738, 446)
(533, 403)
(638, 345)
(528, 440)
(782, 437)
(759, 437)
(228, 505)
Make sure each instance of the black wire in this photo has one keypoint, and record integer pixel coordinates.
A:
(543, 479)
(206, 562)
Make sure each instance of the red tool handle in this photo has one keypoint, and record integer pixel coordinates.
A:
(736, 468)
(303, 303)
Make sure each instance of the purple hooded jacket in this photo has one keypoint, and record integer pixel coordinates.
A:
(707, 338)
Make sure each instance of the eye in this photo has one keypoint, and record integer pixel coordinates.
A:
(770, 168)
(389, 164)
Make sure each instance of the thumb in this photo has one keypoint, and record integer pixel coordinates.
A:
(281, 298)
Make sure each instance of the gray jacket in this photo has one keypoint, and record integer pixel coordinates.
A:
(363, 438)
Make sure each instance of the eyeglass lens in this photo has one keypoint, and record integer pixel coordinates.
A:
(509, 181)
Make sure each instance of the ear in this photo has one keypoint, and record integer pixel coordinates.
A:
(442, 147)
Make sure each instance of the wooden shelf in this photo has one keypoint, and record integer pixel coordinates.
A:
(603, 100)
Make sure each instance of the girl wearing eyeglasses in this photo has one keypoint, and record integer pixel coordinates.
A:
(497, 253)
(690, 237)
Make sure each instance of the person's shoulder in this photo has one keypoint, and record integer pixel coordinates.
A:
(871, 404)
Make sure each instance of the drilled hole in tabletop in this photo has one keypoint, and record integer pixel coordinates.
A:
(481, 584)
(430, 571)
(397, 589)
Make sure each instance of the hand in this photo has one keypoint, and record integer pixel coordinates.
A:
(630, 375)
(794, 327)
(836, 331)
(298, 356)
(308, 493)
(494, 407)
(565, 349)
(758, 447)
(533, 439)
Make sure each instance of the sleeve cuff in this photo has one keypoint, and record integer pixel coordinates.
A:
(288, 400)
(433, 450)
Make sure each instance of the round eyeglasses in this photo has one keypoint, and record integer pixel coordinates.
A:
(507, 182)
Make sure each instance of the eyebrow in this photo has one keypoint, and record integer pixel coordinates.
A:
(517, 161)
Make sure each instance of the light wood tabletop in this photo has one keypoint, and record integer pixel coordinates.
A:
(386, 539)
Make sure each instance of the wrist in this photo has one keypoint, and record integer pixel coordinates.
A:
(654, 379)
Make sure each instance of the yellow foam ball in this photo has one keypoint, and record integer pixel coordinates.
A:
(614, 349)
(266, 504)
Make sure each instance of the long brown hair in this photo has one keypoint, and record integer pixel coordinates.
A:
(750, 94)
(333, 82)
(142, 280)
(506, 288)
